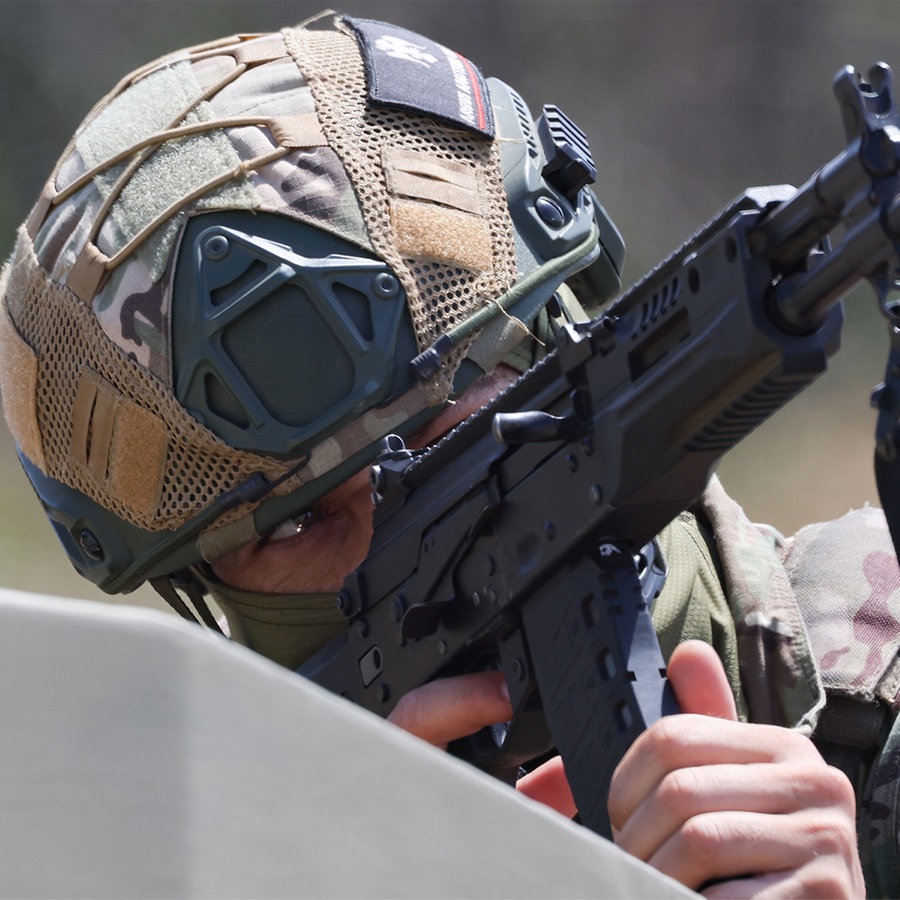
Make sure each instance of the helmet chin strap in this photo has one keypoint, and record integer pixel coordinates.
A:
(167, 587)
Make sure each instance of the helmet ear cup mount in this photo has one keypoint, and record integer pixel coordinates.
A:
(99, 544)
(263, 308)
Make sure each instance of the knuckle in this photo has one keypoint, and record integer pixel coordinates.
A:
(617, 801)
(825, 879)
(701, 836)
(666, 738)
(840, 790)
(828, 786)
(833, 869)
(676, 793)
(797, 746)
(833, 834)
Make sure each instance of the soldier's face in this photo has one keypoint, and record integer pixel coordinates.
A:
(318, 558)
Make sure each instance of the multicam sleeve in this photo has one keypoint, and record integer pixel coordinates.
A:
(847, 582)
(877, 825)
(778, 671)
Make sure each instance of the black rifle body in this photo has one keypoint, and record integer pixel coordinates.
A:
(523, 539)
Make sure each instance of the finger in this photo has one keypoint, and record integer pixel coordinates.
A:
(688, 740)
(721, 846)
(762, 788)
(817, 846)
(548, 785)
(451, 708)
(820, 878)
(699, 681)
(772, 885)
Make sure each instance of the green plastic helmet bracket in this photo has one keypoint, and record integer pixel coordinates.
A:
(551, 221)
(281, 332)
(99, 544)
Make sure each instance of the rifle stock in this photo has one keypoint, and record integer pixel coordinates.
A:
(524, 539)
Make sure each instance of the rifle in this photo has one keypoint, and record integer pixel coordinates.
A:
(524, 539)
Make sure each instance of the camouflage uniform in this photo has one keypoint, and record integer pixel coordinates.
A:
(807, 628)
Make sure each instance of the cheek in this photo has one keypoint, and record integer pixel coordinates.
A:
(316, 561)
(349, 542)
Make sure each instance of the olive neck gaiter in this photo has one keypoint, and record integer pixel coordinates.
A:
(286, 628)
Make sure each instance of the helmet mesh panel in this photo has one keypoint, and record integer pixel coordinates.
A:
(440, 296)
(199, 466)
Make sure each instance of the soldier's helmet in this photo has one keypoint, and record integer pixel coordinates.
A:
(258, 257)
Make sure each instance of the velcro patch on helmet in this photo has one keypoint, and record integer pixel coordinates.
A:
(18, 385)
(431, 232)
(426, 176)
(408, 70)
(123, 445)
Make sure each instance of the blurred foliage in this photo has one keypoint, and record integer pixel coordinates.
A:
(686, 103)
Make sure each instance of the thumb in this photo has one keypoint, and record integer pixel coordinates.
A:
(699, 681)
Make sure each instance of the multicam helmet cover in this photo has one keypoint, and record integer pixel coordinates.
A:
(210, 315)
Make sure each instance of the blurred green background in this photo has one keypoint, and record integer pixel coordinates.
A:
(686, 104)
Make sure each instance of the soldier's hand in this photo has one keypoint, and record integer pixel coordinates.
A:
(451, 708)
(733, 809)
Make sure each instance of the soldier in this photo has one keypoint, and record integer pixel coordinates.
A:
(207, 328)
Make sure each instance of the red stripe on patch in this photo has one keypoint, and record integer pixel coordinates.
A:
(476, 89)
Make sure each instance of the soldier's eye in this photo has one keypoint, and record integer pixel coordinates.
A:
(296, 524)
